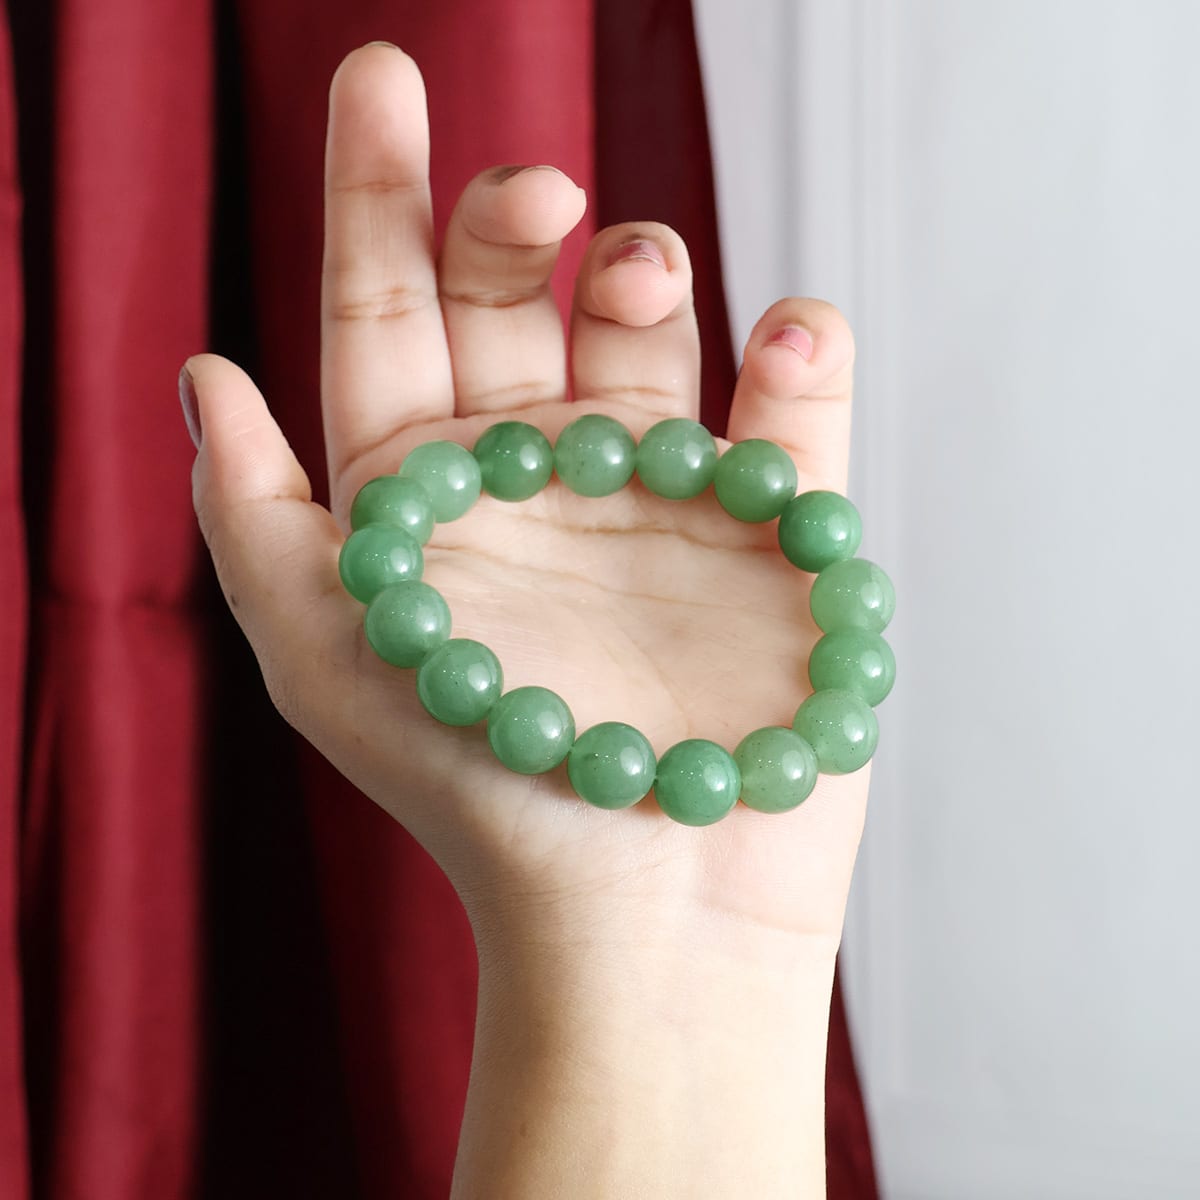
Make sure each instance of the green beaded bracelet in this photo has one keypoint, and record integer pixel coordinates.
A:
(531, 729)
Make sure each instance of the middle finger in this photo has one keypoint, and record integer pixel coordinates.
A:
(503, 325)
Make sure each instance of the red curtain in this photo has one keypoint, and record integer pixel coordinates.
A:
(222, 972)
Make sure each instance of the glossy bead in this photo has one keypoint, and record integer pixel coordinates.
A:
(515, 460)
(755, 479)
(611, 765)
(779, 769)
(594, 455)
(530, 730)
(853, 660)
(676, 458)
(459, 682)
(448, 472)
(394, 500)
(406, 621)
(852, 594)
(841, 728)
(819, 528)
(697, 782)
(376, 556)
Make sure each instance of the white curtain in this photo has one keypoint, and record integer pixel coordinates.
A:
(1005, 199)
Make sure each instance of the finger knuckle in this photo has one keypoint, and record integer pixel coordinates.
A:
(388, 304)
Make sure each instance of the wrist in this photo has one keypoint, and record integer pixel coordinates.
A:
(636, 1056)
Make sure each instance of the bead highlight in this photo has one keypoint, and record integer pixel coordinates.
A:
(611, 765)
(515, 460)
(754, 480)
(377, 556)
(778, 767)
(853, 660)
(405, 621)
(530, 730)
(394, 500)
(676, 458)
(449, 473)
(594, 455)
(697, 782)
(459, 682)
(819, 528)
(852, 594)
(841, 728)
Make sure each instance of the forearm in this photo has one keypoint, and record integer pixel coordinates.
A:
(654, 1066)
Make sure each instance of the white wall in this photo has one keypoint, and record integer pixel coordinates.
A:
(1005, 199)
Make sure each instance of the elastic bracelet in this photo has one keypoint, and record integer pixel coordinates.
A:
(531, 729)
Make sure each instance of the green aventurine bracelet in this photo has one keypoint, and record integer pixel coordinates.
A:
(531, 729)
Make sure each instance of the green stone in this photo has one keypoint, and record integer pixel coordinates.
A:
(819, 528)
(853, 660)
(779, 769)
(594, 455)
(755, 479)
(611, 765)
(697, 782)
(393, 500)
(677, 458)
(515, 460)
(459, 682)
(376, 556)
(406, 621)
(852, 594)
(530, 730)
(448, 472)
(841, 728)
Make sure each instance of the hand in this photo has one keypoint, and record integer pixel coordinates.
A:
(671, 616)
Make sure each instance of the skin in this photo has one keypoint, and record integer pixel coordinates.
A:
(653, 998)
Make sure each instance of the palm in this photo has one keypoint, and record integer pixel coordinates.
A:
(671, 616)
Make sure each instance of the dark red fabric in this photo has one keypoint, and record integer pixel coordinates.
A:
(228, 992)
(111, 879)
(13, 609)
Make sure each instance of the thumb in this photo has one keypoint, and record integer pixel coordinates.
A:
(274, 550)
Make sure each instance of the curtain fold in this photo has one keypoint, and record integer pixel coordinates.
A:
(113, 790)
(13, 614)
(238, 977)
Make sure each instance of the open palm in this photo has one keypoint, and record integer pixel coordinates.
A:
(671, 616)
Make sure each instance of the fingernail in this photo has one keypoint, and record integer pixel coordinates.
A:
(639, 250)
(503, 174)
(795, 337)
(389, 45)
(191, 411)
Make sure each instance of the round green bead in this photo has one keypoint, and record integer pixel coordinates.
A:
(594, 455)
(515, 460)
(853, 660)
(406, 621)
(779, 769)
(819, 528)
(459, 682)
(841, 728)
(611, 765)
(755, 479)
(448, 472)
(676, 458)
(530, 730)
(697, 782)
(376, 556)
(852, 594)
(393, 500)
